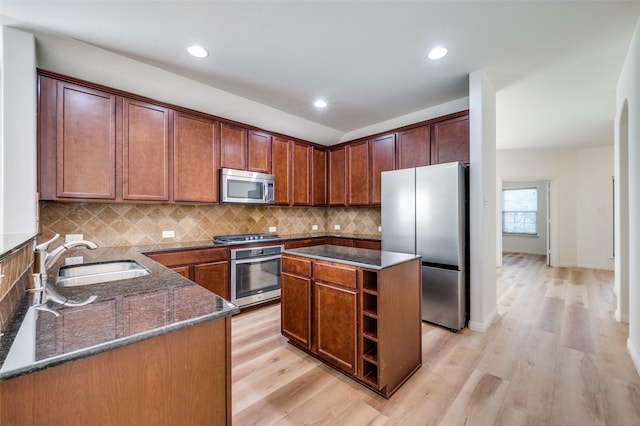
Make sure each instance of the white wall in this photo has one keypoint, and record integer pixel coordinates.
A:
(559, 167)
(594, 208)
(532, 244)
(18, 206)
(628, 93)
(482, 201)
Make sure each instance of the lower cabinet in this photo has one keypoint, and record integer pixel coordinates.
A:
(207, 267)
(365, 323)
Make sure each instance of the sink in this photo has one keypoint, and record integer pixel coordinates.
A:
(102, 272)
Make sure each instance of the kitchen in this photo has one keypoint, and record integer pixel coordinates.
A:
(352, 221)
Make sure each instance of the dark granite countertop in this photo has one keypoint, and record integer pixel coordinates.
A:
(125, 312)
(365, 258)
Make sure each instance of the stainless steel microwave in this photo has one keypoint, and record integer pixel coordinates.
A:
(242, 187)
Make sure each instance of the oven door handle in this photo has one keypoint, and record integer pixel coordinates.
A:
(256, 259)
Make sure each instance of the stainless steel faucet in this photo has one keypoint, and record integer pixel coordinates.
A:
(43, 261)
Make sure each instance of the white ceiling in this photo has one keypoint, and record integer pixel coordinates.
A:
(555, 64)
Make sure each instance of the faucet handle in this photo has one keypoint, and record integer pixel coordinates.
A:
(45, 246)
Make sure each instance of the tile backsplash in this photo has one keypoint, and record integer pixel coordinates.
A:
(111, 225)
(15, 274)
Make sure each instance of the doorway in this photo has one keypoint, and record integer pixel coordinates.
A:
(525, 217)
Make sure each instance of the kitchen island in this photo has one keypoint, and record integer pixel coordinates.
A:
(357, 310)
(149, 350)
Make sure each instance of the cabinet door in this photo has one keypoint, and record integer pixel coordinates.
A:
(233, 147)
(451, 141)
(319, 177)
(337, 241)
(195, 172)
(295, 297)
(182, 270)
(214, 277)
(383, 158)
(414, 147)
(86, 143)
(145, 151)
(301, 174)
(337, 176)
(366, 244)
(358, 174)
(335, 325)
(281, 155)
(259, 152)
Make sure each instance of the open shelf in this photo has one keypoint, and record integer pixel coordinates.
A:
(370, 372)
(370, 281)
(370, 303)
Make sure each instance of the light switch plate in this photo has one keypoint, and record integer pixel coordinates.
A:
(74, 260)
(73, 237)
(314, 227)
(336, 227)
(272, 229)
(168, 234)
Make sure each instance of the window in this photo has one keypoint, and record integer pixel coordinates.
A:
(520, 211)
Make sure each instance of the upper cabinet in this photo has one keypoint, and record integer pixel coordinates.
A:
(195, 170)
(82, 148)
(414, 147)
(319, 177)
(233, 147)
(451, 140)
(383, 158)
(145, 151)
(259, 152)
(358, 174)
(281, 157)
(301, 174)
(338, 176)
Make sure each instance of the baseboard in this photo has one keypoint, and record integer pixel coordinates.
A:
(634, 356)
(600, 267)
(621, 318)
(483, 326)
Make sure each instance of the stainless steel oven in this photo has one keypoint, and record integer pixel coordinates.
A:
(255, 274)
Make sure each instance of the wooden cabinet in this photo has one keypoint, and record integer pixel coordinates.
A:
(335, 320)
(450, 141)
(233, 147)
(145, 151)
(195, 176)
(307, 242)
(319, 177)
(358, 174)
(301, 173)
(182, 377)
(339, 241)
(85, 143)
(364, 322)
(281, 155)
(383, 158)
(414, 147)
(337, 176)
(367, 244)
(213, 276)
(295, 298)
(207, 267)
(259, 152)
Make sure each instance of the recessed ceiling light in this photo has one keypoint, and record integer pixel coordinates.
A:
(197, 51)
(320, 103)
(437, 53)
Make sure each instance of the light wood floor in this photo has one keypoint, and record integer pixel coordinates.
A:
(554, 356)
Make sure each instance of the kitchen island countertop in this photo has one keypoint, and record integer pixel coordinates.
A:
(365, 258)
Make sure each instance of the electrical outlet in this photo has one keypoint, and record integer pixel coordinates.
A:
(336, 227)
(272, 229)
(314, 227)
(379, 228)
(74, 260)
(168, 234)
(73, 237)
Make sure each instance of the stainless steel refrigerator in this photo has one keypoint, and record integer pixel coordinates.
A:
(424, 212)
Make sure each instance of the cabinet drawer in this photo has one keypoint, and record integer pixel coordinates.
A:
(335, 273)
(296, 266)
(188, 257)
